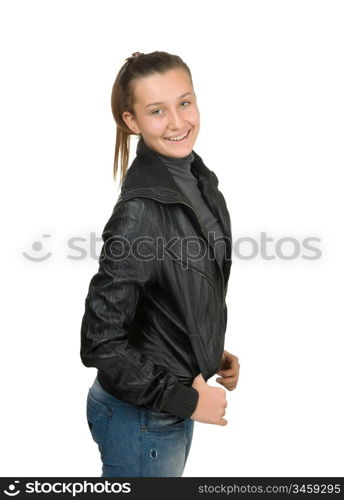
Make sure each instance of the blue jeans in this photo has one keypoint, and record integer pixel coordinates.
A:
(135, 441)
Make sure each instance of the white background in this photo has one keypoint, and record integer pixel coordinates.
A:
(269, 80)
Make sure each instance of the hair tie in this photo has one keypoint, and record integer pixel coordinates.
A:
(135, 55)
(129, 60)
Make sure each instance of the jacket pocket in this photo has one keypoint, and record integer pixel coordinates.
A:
(197, 271)
(179, 254)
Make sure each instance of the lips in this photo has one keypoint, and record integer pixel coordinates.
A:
(178, 138)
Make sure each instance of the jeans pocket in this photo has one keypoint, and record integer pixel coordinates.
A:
(162, 421)
(115, 427)
(98, 418)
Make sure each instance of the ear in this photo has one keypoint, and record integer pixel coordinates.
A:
(130, 121)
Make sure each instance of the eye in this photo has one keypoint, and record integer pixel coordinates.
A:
(154, 112)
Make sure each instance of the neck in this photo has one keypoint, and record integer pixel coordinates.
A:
(181, 164)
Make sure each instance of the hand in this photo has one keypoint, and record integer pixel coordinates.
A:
(229, 371)
(211, 405)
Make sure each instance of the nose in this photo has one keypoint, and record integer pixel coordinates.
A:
(175, 121)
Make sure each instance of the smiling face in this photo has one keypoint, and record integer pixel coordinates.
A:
(166, 112)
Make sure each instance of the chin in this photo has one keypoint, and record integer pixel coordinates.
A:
(178, 149)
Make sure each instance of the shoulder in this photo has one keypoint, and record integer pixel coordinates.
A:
(133, 216)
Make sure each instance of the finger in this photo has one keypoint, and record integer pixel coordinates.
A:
(228, 372)
(229, 385)
(223, 421)
(220, 381)
(231, 388)
(231, 378)
(232, 358)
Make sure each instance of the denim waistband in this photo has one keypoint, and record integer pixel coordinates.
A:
(100, 394)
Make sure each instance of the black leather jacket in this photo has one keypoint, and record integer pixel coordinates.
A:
(155, 316)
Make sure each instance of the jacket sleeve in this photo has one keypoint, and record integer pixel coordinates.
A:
(110, 306)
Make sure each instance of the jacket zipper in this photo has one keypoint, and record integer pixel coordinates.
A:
(200, 225)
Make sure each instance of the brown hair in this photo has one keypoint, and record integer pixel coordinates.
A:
(137, 66)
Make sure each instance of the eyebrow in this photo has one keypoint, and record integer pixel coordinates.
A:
(161, 102)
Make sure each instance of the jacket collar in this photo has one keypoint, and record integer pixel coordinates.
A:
(148, 177)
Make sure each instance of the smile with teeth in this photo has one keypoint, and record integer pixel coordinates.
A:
(177, 138)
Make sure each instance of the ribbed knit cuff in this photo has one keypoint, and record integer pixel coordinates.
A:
(182, 401)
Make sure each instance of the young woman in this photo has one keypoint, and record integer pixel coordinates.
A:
(155, 313)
